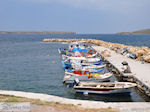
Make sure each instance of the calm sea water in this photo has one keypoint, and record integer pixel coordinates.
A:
(28, 64)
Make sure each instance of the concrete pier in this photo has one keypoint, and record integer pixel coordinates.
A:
(140, 72)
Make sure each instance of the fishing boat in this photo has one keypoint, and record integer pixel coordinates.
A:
(82, 53)
(84, 61)
(67, 62)
(78, 49)
(87, 77)
(79, 69)
(94, 67)
(70, 64)
(62, 51)
(103, 87)
(81, 45)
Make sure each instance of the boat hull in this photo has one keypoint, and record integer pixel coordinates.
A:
(104, 88)
(68, 79)
(104, 91)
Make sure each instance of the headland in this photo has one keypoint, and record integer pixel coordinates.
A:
(145, 31)
(35, 32)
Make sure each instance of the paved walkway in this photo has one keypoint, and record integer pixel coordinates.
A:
(139, 70)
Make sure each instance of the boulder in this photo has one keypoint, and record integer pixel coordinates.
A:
(147, 58)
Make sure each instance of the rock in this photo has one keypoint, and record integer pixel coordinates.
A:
(147, 58)
(140, 53)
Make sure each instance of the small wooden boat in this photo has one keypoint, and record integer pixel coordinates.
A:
(79, 69)
(82, 61)
(95, 77)
(62, 51)
(93, 67)
(78, 50)
(103, 87)
(85, 59)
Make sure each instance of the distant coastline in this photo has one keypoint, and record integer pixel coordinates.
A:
(35, 32)
(145, 31)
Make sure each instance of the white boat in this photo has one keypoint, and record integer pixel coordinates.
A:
(81, 44)
(95, 77)
(90, 68)
(82, 61)
(85, 60)
(93, 67)
(104, 87)
(78, 56)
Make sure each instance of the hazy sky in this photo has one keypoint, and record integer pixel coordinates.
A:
(81, 16)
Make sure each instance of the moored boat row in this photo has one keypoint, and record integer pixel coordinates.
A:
(86, 72)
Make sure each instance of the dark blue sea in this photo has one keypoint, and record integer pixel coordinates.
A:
(28, 64)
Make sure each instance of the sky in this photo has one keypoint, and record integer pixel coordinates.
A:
(81, 16)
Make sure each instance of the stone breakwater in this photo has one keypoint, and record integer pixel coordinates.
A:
(142, 53)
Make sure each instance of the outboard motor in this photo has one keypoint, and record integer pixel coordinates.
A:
(75, 82)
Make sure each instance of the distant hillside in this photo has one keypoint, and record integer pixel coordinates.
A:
(145, 31)
(34, 32)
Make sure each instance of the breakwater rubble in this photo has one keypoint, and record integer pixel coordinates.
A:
(138, 53)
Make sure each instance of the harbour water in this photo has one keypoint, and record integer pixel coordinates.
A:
(28, 64)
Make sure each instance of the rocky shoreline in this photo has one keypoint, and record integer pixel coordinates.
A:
(142, 53)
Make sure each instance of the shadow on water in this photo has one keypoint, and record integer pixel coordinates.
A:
(105, 98)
